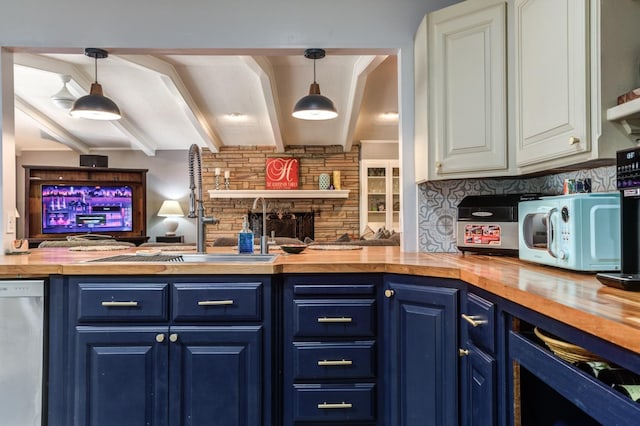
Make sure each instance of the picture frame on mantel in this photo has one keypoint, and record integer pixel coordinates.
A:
(281, 173)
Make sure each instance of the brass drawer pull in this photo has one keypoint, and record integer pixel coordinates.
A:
(215, 302)
(326, 405)
(328, 363)
(335, 319)
(115, 303)
(473, 320)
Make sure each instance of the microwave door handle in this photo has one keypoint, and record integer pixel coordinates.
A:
(550, 232)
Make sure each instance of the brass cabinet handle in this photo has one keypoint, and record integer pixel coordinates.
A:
(329, 363)
(214, 302)
(326, 405)
(160, 338)
(115, 303)
(438, 165)
(389, 293)
(173, 337)
(463, 352)
(473, 320)
(335, 319)
(574, 140)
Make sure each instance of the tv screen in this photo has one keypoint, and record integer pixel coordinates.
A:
(74, 209)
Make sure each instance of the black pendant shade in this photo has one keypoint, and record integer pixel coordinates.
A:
(95, 105)
(314, 106)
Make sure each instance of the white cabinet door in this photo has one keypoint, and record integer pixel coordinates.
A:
(466, 94)
(379, 195)
(551, 85)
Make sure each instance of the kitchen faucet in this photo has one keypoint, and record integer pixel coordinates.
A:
(195, 180)
(264, 241)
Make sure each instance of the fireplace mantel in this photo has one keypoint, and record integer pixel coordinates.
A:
(275, 193)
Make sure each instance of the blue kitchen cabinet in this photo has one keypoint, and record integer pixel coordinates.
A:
(216, 372)
(122, 376)
(478, 364)
(331, 369)
(421, 351)
(139, 351)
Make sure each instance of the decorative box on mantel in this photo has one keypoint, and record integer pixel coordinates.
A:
(281, 173)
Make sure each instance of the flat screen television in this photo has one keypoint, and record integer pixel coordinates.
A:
(86, 209)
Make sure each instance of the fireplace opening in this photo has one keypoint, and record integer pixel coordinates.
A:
(298, 225)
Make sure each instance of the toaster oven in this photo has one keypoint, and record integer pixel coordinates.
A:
(577, 231)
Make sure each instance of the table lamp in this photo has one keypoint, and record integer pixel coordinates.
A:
(170, 209)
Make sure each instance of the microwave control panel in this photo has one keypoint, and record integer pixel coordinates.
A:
(628, 169)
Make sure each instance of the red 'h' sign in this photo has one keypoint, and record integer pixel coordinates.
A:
(281, 173)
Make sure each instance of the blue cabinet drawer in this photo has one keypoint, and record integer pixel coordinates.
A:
(217, 302)
(122, 302)
(334, 318)
(480, 322)
(334, 360)
(334, 403)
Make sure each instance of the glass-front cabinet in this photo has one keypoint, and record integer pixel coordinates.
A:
(379, 195)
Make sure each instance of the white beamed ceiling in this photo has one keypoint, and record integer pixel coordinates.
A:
(170, 100)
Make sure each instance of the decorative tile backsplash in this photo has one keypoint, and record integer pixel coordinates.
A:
(438, 201)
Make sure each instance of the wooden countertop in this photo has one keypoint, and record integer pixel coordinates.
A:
(577, 299)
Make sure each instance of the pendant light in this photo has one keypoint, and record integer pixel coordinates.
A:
(314, 106)
(95, 105)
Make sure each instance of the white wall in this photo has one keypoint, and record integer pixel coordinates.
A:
(238, 24)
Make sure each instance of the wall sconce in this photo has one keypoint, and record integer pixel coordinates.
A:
(170, 209)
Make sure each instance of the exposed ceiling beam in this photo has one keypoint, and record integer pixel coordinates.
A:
(361, 70)
(264, 70)
(80, 85)
(45, 124)
(181, 94)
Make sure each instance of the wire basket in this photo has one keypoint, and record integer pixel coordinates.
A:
(567, 351)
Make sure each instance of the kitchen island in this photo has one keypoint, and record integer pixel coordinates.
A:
(574, 305)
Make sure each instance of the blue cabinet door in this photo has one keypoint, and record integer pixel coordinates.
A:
(121, 376)
(479, 388)
(422, 355)
(216, 376)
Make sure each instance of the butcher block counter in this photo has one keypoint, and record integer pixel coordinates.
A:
(576, 299)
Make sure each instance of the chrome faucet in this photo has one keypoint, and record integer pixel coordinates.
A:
(264, 240)
(196, 205)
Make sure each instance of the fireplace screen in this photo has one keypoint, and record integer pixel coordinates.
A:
(284, 224)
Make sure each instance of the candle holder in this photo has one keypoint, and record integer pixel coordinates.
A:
(226, 183)
(217, 182)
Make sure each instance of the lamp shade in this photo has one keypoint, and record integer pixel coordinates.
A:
(314, 106)
(170, 209)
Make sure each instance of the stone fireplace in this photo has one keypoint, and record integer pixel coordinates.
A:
(284, 223)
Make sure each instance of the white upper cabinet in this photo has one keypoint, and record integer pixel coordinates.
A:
(461, 92)
(571, 60)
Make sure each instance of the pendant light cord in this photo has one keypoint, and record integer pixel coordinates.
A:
(95, 67)
(314, 70)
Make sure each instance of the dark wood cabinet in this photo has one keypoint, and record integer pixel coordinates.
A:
(37, 176)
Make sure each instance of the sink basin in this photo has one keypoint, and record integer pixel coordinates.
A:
(228, 258)
(192, 258)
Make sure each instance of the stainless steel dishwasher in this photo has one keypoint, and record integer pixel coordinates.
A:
(22, 325)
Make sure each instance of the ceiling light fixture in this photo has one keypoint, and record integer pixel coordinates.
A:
(95, 105)
(314, 106)
(63, 99)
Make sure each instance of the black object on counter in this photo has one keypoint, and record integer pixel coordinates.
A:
(628, 183)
